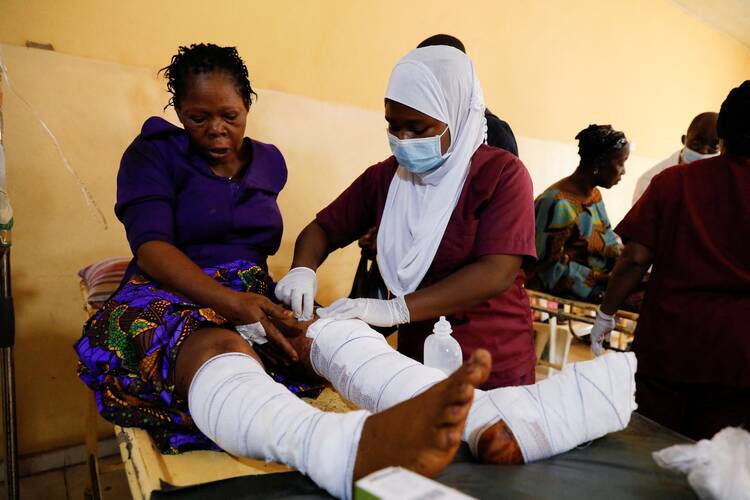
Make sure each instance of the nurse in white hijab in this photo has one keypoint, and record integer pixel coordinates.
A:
(434, 107)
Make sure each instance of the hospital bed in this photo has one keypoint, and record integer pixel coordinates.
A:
(617, 466)
(557, 320)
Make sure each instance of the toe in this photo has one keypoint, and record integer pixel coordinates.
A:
(454, 414)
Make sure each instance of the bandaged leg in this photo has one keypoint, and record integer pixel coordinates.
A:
(239, 407)
(586, 401)
(363, 367)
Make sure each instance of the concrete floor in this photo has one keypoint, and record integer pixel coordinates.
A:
(70, 483)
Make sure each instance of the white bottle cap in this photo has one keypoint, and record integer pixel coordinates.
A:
(442, 327)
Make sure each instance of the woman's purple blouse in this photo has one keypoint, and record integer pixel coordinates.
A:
(167, 192)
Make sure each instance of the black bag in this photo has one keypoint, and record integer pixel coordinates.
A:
(368, 284)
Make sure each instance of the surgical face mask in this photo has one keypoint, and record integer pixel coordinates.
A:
(689, 156)
(418, 156)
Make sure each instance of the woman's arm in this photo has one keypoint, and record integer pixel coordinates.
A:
(627, 274)
(312, 247)
(298, 287)
(473, 284)
(174, 270)
(345, 220)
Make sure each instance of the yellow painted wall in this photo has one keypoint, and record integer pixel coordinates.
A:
(549, 68)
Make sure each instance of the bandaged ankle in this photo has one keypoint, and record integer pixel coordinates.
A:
(584, 402)
(239, 407)
(363, 367)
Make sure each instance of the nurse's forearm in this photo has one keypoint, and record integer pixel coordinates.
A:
(625, 277)
(311, 247)
(471, 285)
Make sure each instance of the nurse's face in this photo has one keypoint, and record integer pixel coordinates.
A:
(408, 123)
(612, 168)
(214, 116)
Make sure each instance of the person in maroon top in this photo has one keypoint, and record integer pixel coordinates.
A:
(692, 338)
(178, 349)
(455, 223)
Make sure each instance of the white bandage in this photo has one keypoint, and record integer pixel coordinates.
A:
(239, 407)
(362, 366)
(586, 401)
(254, 333)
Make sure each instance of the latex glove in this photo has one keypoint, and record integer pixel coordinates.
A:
(375, 312)
(297, 290)
(601, 331)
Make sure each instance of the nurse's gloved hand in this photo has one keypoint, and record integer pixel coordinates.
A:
(372, 311)
(601, 331)
(297, 290)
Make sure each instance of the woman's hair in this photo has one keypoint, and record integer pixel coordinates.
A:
(442, 39)
(734, 120)
(205, 58)
(599, 141)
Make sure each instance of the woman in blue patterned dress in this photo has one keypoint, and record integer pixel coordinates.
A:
(575, 243)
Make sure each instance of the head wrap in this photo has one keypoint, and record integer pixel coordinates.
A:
(440, 82)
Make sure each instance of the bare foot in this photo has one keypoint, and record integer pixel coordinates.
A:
(423, 433)
(497, 445)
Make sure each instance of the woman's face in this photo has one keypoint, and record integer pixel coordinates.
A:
(612, 168)
(408, 123)
(214, 115)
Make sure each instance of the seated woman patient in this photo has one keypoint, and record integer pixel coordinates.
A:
(575, 243)
(165, 353)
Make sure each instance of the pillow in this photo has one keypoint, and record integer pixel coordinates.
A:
(102, 279)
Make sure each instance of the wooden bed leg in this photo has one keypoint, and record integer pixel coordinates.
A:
(93, 488)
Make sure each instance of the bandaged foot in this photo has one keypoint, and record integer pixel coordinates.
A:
(422, 434)
(586, 401)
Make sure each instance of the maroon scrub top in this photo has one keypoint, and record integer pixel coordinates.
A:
(494, 215)
(694, 326)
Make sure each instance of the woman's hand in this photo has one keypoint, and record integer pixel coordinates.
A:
(175, 271)
(601, 332)
(248, 308)
(297, 289)
(372, 311)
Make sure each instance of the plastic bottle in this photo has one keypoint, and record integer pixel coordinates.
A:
(441, 350)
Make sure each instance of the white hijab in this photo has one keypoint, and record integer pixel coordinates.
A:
(438, 81)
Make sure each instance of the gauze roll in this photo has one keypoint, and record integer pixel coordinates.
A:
(239, 407)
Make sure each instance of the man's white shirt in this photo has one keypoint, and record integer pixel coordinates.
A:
(645, 179)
